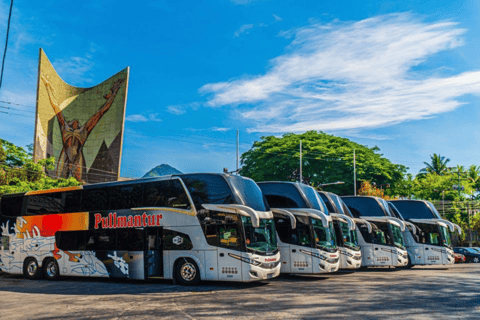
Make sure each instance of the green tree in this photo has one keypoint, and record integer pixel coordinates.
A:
(473, 174)
(432, 186)
(326, 158)
(438, 165)
(19, 173)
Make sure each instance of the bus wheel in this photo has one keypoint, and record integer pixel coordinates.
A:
(476, 260)
(50, 269)
(31, 270)
(187, 272)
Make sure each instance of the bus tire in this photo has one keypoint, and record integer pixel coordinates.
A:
(476, 260)
(31, 270)
(51, 270)
(187, 272)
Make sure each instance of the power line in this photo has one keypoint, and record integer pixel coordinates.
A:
(6, 42)
(16, 114)
(16, 104)
(17, 109)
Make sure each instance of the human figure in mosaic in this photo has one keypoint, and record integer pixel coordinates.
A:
(71, 161)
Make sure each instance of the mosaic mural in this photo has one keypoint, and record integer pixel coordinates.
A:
(81, 127)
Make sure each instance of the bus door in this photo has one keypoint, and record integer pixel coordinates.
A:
(153, 255)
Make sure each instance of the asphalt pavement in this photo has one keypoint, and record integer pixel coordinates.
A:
(378, 293)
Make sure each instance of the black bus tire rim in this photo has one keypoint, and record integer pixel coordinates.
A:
(188, 271)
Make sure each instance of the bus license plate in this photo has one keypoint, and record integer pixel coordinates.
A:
(269, 275)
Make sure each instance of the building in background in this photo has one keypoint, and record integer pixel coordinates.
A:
(81, 127)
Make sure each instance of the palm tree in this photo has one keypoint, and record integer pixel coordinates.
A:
(473, 174)
(437, 165)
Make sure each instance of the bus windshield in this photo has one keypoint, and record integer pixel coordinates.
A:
(314, 199)
(447, 241)
(261, 239)
(249, 193)
(397, 236)
(350, 238)
(324, 237)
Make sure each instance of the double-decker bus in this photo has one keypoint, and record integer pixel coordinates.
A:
(345, 230)
(385, 245)
(306, 236)
(184, 227)
(431, 244)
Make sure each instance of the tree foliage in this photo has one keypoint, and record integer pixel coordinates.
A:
(325, 159)
(19, 173)
(437, 165)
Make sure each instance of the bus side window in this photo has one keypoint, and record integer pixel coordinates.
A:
(301, 235)
(101, 240)
(95, 199)
(44, 204)
(70, 240)
(72, 201)
(125, 197)
(168, 193)
(130, 239)
(284, 228)
(11, 205)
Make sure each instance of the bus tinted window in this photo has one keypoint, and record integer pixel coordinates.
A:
(282, 195)
(249, 192)
(208, 188)
(44, 204)
(327, 203)
(125, 197)
(95, 199)
(414, 209)
(169, 193)
(71, 240)
(73, 201)
(11, 205)
(101, 240)
(130, 239)
(366, 207)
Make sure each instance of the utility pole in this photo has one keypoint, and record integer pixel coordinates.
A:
(354, 174)
(237, 149)
(300, 160)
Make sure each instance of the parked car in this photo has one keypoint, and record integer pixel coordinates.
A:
(471, 254)
(459, 258)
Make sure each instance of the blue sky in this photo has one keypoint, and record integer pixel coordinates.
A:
(402, 75)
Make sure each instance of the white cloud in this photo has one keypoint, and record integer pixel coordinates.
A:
(221, 129)
(243, 29)
(75, 69)
(350, 76)
(277, 18)
(143, 118)
(178, 110)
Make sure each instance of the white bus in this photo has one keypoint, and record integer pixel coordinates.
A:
(183, 227)
(385, 246)
(345, 230)
(306, 236)
(431, 244)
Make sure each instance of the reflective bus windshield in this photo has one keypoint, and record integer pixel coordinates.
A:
(447, 241)
(397, 236)
(313, 198)
(249, 193)
(262, 238)
(324, 237)
(350, 238)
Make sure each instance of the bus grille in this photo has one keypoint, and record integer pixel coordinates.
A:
(230, 270)
(300, 264)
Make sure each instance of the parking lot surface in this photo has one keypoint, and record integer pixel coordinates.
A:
(418, 293)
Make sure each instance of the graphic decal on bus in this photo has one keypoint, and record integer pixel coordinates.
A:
(35, 237)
